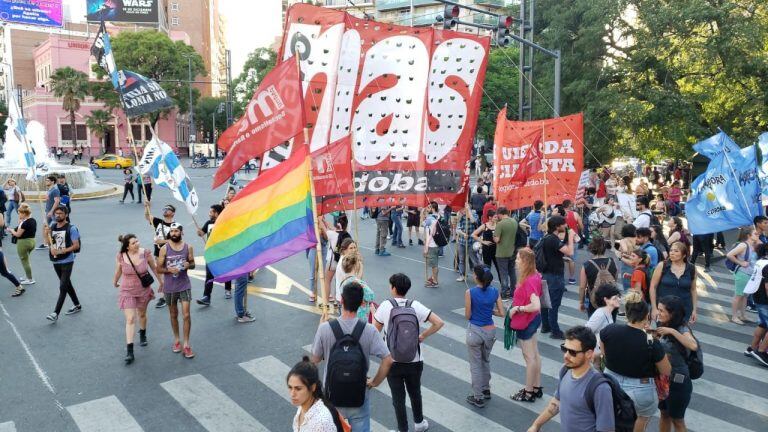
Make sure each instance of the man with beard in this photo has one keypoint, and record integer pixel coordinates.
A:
(176, 258)
(162, 231)
(63, 240)
(205, 233)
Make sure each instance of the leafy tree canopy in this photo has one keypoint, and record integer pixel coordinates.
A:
(260, 62)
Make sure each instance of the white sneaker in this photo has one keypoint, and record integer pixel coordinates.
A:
(421, 427)
(460, 279)
(27, 282)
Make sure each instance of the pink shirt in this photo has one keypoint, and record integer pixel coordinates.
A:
(522, 297)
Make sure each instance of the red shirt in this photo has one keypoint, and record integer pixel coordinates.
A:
(570, 220)
(522, 297)
(490, 205)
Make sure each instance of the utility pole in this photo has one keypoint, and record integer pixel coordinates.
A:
(525, 82)
(192, 130)
(230, 120)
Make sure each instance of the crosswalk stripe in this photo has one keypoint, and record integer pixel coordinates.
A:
(744, 370)
(703, 387)
(458, 369)
(552, 368)
(214, 410)
(7, 427)
(272, 372)
(105, 414)
(443, 410)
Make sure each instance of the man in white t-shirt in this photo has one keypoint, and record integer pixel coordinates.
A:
(404, 376)
(643, 220)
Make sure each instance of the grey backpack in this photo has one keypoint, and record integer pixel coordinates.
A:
(403, 332)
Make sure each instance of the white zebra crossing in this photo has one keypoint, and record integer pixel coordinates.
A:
(7, 427)
(449, 413)
(103, 415)
(694, 419)
(213, 409)
(272, 372)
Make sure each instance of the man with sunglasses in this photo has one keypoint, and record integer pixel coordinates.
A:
(162, 232)
(576, 414)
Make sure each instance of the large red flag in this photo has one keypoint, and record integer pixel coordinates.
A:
(273, 116)
(332, 176)
(531, 164)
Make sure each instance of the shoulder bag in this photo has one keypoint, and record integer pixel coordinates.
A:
(146, 279)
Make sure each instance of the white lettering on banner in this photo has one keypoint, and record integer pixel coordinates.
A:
(349, 65)
(399, 183)
(554, 165)
(396, 111)
(138, 3)
(251, 118)
(550, 147)
(450, 86)
(531, 182)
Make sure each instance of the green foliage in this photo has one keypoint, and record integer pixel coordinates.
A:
(260, 62)
(156, 56)
(99, 122)
(103, 91)
(500, 88)
(652, 76)
(206, 109)
(3, 117)
(72, 87)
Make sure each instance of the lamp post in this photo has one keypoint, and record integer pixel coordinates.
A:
(192, 130)
(219, 110)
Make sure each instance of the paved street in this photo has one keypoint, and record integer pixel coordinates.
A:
(70, 376)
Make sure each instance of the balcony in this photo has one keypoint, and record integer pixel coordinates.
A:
(386, 5)
(493, 3)
(419, 19)
(484, 19)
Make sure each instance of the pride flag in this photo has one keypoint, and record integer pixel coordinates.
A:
(269, 220)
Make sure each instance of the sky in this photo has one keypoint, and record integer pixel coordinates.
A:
(251, 24)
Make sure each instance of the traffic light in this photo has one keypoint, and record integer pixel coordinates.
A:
(502, 30)
(450, 16)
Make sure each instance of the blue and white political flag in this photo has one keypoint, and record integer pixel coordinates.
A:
(728, 194)
(102, 50)
(761, 151)
(162, 164)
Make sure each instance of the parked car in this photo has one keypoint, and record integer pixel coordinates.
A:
(113, 161)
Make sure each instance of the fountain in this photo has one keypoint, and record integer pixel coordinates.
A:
(81, 180)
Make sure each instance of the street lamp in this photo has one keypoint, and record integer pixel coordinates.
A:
(219, 110)
(192, 130)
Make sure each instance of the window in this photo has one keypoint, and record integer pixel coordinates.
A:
(136, 130)
(147, 133)
(66, 133)
(175, 21)
(174, 7)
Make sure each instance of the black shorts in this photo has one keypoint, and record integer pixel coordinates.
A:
(413, 221)
(679, 398)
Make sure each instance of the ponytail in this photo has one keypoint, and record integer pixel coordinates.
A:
(307, 373)
(483, 275)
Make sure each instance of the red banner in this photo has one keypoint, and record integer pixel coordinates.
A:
(273, 116)
(562, 159)
(332, 176)
(407, 97)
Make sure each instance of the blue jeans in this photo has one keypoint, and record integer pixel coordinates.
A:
(397, 229)
(312, 257)
(641, 391)
(359, 418)
(556, 286)
(13, 206)
(241, 284)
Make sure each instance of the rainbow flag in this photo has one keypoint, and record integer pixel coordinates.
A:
(269, 220)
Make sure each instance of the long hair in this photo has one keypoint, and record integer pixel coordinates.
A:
(125, 241)
(307, 373)
(643, 255)
(682, 248)
(526, 265)
(353, 264)
(675, 309)
(660, 238)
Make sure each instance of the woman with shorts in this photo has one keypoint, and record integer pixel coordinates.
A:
(525, 319)
(413, 224)
(744, 256)
(132, 261)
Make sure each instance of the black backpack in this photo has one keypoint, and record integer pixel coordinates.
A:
(695, 360)
(442, 232)
(342, 236)
(346, 376)
(541, 258)
(624, 413)
(521, 238)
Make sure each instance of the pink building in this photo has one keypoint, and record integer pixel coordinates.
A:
(40, 104)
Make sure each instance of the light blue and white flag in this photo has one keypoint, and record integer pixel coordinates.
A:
(728, 194)
(162, 164)
(761, 151)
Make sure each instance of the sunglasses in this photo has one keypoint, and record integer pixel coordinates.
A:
(572, 353)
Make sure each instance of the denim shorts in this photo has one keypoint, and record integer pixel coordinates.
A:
(642, 391)
(529, 331)
(762, 315)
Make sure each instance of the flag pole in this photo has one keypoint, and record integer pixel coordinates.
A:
(318, 246)
(132, 143)
(546, 169)
(354, 189)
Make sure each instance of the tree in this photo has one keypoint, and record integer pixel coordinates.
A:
(154, 55)
(499, 89)
(206, 109)
(260, 62)
(103, 91)
(3, 117)
(72, 87)
(99, 124)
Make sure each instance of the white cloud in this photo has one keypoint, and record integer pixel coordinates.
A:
(251, 24)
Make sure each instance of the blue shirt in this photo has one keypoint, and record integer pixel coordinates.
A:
(652, 253)
(482, 302)
(534, 218)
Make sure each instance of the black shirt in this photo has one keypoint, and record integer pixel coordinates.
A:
(626, 351)
(477, 202)
(162, 231)
(761, 296)
(591, 271)
(208, 227)
(551, 248)
(30, 228)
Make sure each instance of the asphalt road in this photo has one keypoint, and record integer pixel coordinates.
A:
(70, 376)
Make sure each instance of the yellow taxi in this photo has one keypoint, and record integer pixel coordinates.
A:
(113, 161)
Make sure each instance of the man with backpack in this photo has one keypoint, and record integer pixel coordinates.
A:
(645, 219)
(584, 397)
(63, 241)
(643, 240)
(550, 252)
(346, 345)
(436, 234)
(400, 318)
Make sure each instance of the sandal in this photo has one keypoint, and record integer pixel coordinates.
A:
(737, 321)
(312, 298)
(19, 291)
(538, 392)
(524, 396)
